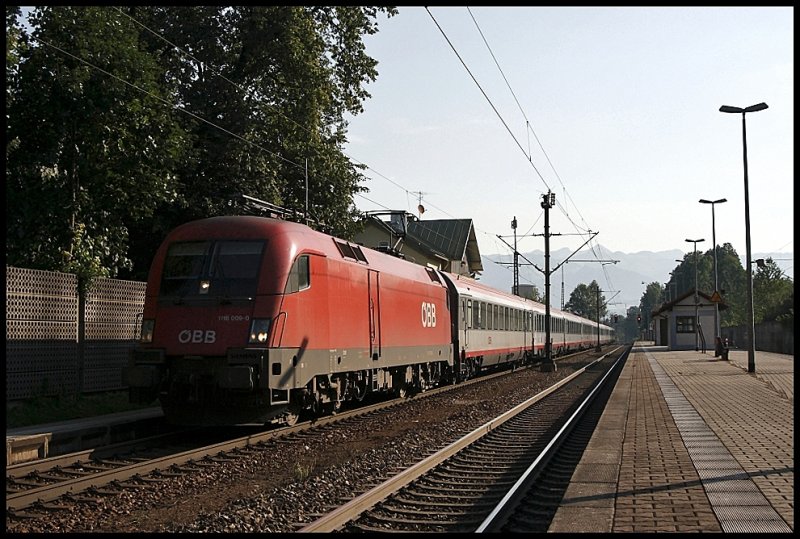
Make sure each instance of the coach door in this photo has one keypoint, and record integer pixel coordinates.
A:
(374, 316)
(465, 321)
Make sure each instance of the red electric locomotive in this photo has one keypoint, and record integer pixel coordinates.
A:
(252, 319)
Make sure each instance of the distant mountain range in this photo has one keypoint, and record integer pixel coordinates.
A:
(630, 275)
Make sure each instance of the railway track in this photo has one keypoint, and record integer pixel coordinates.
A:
(476, 483)
(55, 483)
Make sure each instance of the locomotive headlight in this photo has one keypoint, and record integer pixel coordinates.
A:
(258, 331)
(147, 331)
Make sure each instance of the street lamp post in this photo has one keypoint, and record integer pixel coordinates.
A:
(751, 344)
(696, 318)
(716, 273)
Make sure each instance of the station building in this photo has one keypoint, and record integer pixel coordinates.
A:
(679, 326)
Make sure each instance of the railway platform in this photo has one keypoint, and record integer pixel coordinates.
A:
(689, 443)
(42, 441)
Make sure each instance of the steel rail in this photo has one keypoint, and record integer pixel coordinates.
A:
(46, 493)
(347, 512)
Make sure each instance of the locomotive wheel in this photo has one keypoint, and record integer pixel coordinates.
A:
(290, 418)
(361, 390)
(291, 415)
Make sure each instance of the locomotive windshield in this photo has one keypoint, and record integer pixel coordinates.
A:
(211, 269)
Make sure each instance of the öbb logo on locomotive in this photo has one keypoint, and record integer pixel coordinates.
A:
(197, 336)
(428, 315)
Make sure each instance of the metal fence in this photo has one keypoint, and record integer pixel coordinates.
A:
(771, 336)
(59, 343)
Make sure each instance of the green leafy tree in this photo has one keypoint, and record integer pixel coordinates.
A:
(583, 301)
(629, 327)
(276, 83)
(731, 275)
(732, 286)
(130, 121)
(773, 293)
(94, 153)
(15, 43)
(652, 299)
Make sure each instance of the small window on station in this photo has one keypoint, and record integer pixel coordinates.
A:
(684, 324)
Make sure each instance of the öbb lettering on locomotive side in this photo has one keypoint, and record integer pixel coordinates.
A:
(251, 319)
(428, 315)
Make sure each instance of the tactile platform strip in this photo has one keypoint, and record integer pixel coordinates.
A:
(725, 476)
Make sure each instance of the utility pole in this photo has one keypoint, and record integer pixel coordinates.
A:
(548, 200)
(515, 289)
(597, 349)
(598, 320)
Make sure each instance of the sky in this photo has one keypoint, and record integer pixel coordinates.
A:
(615, 110)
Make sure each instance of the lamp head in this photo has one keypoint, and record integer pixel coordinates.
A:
(751, 108)
(756, 108)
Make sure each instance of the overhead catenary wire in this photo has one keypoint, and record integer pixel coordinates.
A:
(502, 120)
(527, 123)
(172, 105)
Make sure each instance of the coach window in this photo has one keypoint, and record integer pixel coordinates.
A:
(299, 275)
(469, 313)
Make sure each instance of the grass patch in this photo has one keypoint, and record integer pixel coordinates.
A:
(41, 410)
(303, 471)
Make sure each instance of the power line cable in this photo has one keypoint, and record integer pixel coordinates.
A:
(527, 121)
(487, 97)
(176, 107)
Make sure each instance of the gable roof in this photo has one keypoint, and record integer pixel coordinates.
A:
(455, 238)
(446, 239)
(669, 306)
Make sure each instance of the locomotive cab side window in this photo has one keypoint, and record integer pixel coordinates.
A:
(299, 275)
